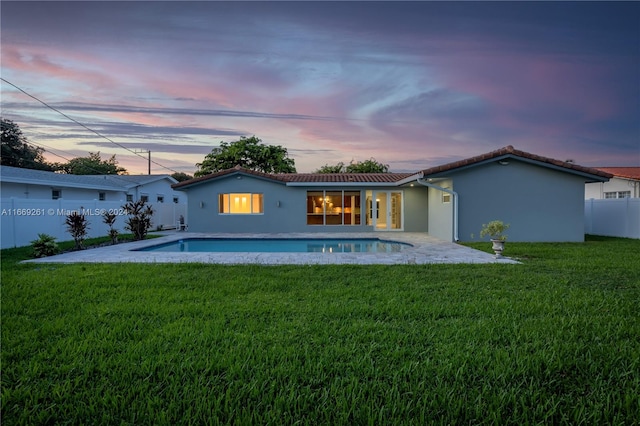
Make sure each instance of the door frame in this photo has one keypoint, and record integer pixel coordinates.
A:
(388, 194)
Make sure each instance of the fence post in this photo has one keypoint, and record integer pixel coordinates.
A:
(627, 217)
(589, 216)
(13, 222)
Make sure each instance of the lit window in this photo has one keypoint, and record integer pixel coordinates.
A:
(240, 203)
(333, 207)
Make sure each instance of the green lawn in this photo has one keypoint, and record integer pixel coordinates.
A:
(555, 340)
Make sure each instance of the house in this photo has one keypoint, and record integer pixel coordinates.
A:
(38, 184)
(542, 199)
(625, 183)
(37, 201)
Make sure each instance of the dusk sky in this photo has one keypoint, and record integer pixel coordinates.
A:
(411, 84)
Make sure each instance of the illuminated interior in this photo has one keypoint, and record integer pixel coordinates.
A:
(241, 203)
(333, 208)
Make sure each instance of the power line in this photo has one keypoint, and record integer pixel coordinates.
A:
(52, 151)
(84, 126)
(99, 172)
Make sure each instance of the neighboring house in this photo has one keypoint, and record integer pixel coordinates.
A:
(38, 184)
(625, 183)
(36, 201)
(542, 199)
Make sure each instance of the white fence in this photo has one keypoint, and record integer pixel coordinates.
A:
(23, 219)
(616, 217)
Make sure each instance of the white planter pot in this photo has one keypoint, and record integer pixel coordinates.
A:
(498, 248)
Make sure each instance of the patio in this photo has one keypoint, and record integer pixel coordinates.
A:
(425, 249)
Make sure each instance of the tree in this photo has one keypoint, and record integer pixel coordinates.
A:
(248, 153)
(181, 177)
(338, 168)
(92, 165)
(367, 166)
(17, 152)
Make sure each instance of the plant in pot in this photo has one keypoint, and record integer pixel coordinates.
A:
(495, 230)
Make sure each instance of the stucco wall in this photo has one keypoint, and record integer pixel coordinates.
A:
(596, 190)
(441, 212)
(285, 208)
(539, 203)
(154, 189)
(416, 209)
(43, 192)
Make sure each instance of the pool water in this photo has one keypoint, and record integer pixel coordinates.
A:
(280, 245)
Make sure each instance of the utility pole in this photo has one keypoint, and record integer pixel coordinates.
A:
(143, 151)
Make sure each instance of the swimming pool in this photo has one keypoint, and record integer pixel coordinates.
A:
(279, 245)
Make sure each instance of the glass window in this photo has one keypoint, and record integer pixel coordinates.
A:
(617, 194)
(256, 203)
(315, 207)
(102, 196)
(56, 193)
(144, 198)
(241, 203)
(333, 208)
(351, 207)
(175, 200)
(129, 198)
(160, 199)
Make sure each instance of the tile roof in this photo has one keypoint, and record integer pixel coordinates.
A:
(510, 151)
(390, 178)
(623, 172)
(222, 173)
(347, 177)
(303, 177)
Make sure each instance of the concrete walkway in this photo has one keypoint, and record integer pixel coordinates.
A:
(424, 249)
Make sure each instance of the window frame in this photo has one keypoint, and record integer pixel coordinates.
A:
(255, 201)
(322, 203)
(612, 195)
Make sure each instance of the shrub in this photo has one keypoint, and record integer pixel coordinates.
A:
(110, 220)
(495, 230)
(44, 246)
(77, 226)
(139, 221)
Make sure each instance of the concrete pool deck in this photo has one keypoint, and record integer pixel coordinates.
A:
(425, 249)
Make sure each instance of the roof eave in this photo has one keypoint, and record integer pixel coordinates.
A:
(589, 176)
(59, 184)
(181, 186)
(342, 184)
